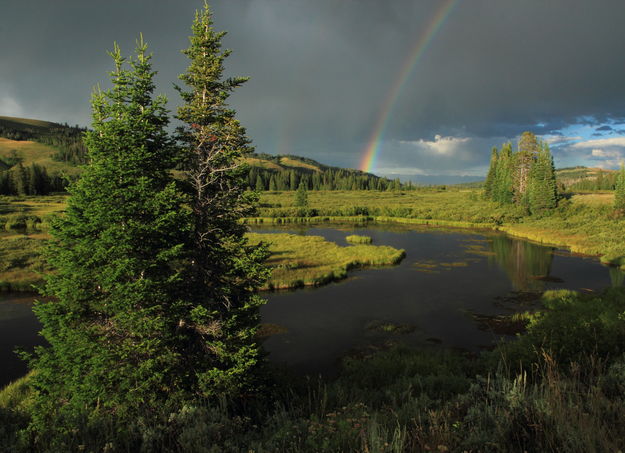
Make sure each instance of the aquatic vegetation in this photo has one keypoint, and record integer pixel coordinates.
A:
(502, 324)
(581, 225)
(436, 267)
(22, 265)
(356, 239)
(298, 261)
(389, 327)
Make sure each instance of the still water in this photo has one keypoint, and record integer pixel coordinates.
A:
(446, 277)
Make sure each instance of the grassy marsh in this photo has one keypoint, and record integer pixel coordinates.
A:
(298, 261)
(583, 224)
(357, 239)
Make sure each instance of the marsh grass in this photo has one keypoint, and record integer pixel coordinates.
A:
(22, 266)
(29, 213)
(357, 239)
(390, 327)
(586, 224)
(298, 261)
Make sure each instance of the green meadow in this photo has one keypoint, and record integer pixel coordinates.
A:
(585, 223)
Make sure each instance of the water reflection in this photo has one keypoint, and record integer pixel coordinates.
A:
(527, 265)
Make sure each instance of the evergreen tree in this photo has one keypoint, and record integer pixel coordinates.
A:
(619, 191)
(542, 192)
(222, 315)
(301, 196)
(113, 325)
(260, 185)
(19, 180)
(502, 191)
(523, 161)
(490, 177)
(272, 183)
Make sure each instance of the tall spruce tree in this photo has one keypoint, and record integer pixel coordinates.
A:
(542, 190)
(502, 192)
(489, 184)
(523, 161)
(301, 196)
(113, 323)
(226, 270)
(619, 191)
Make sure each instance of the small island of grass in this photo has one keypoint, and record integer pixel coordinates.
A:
(356, 239)
(298, 261)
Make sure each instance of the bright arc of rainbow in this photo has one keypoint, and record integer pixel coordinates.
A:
(373, 144)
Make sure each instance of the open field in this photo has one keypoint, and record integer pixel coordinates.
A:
(598, 198)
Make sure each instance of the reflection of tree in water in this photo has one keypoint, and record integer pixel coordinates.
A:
(527, 265)
(617, 277)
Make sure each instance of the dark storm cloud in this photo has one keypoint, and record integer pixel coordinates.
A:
(604, 128)
(321, 69)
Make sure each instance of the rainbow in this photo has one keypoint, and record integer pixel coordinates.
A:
(373, 144)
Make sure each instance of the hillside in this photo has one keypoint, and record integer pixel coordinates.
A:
(59, 149)
(26, 124)
(586, 178)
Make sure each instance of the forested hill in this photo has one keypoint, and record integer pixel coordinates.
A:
(32, 147)
(585, 178)
(287, 172)
(67, 140)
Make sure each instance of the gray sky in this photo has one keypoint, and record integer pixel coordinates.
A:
(321, 69)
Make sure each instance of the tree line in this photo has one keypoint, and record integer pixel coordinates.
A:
(603, 181)
(30, 180)
(261, 179)
(525, 178)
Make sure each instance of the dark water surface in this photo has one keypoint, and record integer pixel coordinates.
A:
(447, 275)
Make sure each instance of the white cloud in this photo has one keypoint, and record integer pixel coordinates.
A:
(600, 143)
(597, 153)
(440, 145)
(610, 158)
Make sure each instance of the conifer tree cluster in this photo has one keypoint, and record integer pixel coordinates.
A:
(328, 178)
(29, 180)
(153, 294)
(525, 178)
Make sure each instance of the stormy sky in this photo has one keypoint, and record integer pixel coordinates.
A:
(320, 71)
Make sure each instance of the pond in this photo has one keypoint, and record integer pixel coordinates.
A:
(431, 298)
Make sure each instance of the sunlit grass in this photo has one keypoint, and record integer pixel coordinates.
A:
(594, 199)
(22, 265)
(586, 224)
(36, 153)
(357, 239)
(298, 261)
